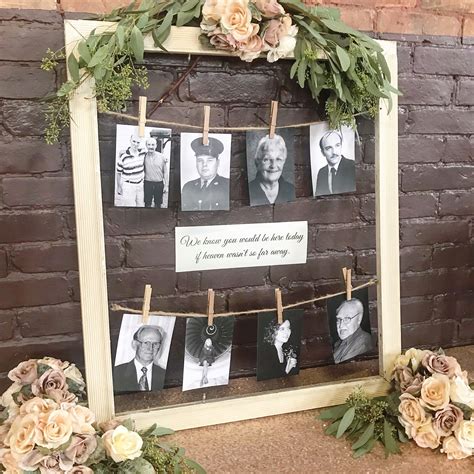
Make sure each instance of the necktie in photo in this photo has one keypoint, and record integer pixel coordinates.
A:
(143, 382)
(204, 185)
(332, 177)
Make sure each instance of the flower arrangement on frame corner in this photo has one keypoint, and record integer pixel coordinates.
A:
(431, 403)
(46, 428)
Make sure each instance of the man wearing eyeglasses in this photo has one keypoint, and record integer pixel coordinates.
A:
(353, 340)
(142, 373)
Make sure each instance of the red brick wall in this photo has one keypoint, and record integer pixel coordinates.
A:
(39, 297)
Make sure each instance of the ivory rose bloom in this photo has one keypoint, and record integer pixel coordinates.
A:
(236, 20)
(25, 373)
(122, 444)
(251, 49)
(441, 364)
(269, 8)
(21, 437)
(285, 47)
(465, 435)
(460, 392)
(7, 398)
(38, 406)
(453, 449)
(412, 414)
(56, 431)
(413, 356)
(426, 437)
(81, 417)
(276, 30)
(9, 462)
(447, 420)
(435, 392)
(213, 10)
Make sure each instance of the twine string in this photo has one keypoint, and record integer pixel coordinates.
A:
(117, 307)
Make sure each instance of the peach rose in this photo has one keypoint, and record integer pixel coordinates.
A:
(82, 418)
(276, 30)
(251, 49)
(213, 10)
(122, 444)
(237, 20)
(447, 420)
(465, 435)
(4, 429)
(441, 364)
(25, 373)
(435, 392)
(269, 8)
(21, 437)
(56, 431)
(52, 379)
(426, 437)
(460, 392)
(9, 462)
(38, 406)
(412, 356)
(453, 449)
(81, 448)
(412, 414)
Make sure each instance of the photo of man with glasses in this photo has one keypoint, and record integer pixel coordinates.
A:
(350, 336)
(142, 373)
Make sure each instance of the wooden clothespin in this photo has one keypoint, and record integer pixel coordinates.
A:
(146, 304)
(210, 307)
(205, 127)
(347, 272)
(279, 305)
(141, 116)
(273, 118)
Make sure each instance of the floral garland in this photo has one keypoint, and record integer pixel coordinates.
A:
(351, 80)
(46, 428)
(431, 404)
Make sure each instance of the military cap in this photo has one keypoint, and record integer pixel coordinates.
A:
(214, 148)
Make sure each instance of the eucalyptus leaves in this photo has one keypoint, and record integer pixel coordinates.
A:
(352, 77)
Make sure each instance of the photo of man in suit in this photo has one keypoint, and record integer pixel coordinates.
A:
(142, 372)
(337, 176)
(209, 192)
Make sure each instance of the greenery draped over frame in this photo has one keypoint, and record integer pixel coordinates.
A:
(352, 77)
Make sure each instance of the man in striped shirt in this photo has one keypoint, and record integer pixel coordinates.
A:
(130, 175)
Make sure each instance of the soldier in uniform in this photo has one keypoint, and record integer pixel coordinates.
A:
(209, 192)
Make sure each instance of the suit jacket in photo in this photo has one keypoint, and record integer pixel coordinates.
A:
(358, 343)
(214, 197)
(125, 378)
(286, 192)
(344, 181)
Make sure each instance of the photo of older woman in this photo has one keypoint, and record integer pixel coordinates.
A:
(278, 349)
(270, 167)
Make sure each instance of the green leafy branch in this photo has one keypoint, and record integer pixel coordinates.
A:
(364, 421)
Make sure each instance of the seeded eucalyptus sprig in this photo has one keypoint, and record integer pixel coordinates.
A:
(352, 79)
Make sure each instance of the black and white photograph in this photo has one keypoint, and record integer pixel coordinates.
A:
(349, 325)
(207, 352)
(142, 353)
(278, 345)
(205, 172)
(270, 167)
(142, 167)
(332, 160)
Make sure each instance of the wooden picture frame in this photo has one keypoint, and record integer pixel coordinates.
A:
(92, 266)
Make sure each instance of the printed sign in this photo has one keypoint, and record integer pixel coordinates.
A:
(242, 245)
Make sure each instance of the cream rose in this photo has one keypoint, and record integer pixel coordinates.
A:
(7, 397)
(446, 421)
(251, 49)
(237, 20)
(38, 406)
(441, 364)
(465, 435)
(285, 47)
(426, 437)
(460, 392)
(73, 373)
(412, 356)
(412, 414)
(453, 449)
(25, 373)
(4, 429)
(213, 10)
(435, 392)
(82, 419)
(56, 431)
(122, 444)
(269, 8)
(9, 462)
(21, 437)
(276, 29)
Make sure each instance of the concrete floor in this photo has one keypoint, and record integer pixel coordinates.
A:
(296, 443)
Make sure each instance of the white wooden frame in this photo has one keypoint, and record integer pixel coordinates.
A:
(92, 268)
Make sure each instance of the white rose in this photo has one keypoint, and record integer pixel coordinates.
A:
(285, 46)
(465, 435)
(122, 444)
(461, 392)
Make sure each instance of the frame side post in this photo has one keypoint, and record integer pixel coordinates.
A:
(387, 223)
(90, 240)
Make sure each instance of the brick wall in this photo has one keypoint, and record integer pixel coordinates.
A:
(39, 297)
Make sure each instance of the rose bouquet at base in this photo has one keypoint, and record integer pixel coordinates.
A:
(431, 403)
(45, 427)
